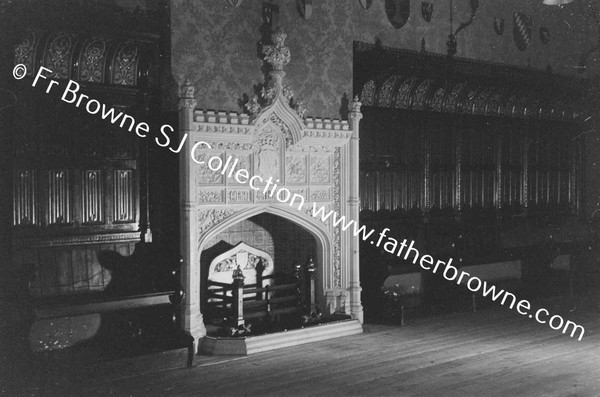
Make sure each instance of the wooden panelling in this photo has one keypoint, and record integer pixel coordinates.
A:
(59, 197)
(47, 273)
(64, 265)
(123, 196)
(512, 167)
(95, 272)
(24, 201)
(65, 270)
(81, 281)
(428, 162)
(92, 196)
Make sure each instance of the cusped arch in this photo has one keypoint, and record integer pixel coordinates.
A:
(311, 225)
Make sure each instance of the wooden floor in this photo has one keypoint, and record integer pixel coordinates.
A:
(490, 353)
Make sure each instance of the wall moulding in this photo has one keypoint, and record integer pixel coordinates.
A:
(109, 238)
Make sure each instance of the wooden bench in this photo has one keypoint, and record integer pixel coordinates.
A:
(505, 275)
(401, 292)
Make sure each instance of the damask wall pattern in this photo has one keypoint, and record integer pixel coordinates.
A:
(215, 46)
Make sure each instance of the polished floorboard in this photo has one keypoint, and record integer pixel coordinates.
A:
(494, 352)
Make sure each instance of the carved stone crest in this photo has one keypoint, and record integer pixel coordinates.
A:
(269, 149)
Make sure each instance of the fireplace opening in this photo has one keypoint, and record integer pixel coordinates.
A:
(273, 255)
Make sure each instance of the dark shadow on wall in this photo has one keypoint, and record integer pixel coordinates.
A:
(344, 110)
(147, 270)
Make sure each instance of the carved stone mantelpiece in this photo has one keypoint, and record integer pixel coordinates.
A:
(312, 158)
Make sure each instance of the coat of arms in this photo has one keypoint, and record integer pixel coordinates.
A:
(521, 30)
(397, 12)
(427, 10)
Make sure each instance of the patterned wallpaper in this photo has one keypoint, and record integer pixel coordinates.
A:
(215, 46)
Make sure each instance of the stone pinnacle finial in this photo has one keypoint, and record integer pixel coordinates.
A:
(277, 54)
(187, 91)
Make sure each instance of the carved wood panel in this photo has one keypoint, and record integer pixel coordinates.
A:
(124, 196)
(458, 163)
(59, 210)
(24, 201)
(92, 196)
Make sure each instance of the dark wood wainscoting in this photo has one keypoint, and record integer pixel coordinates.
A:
(476, 162)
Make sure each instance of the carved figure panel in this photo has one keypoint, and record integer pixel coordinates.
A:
(204, 175)
(320, 169)
(295, 169)
(244, 162)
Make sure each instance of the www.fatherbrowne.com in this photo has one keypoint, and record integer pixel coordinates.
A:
(391, 245)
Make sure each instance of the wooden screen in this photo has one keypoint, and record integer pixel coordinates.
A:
(427, 162)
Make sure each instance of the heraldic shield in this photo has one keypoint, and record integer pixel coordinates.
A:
(397, 12)
(427, 11)
(521, 30)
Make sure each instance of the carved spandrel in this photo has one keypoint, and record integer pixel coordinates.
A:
(209, 218)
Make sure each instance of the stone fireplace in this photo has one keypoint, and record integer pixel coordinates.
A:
(315, 159)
